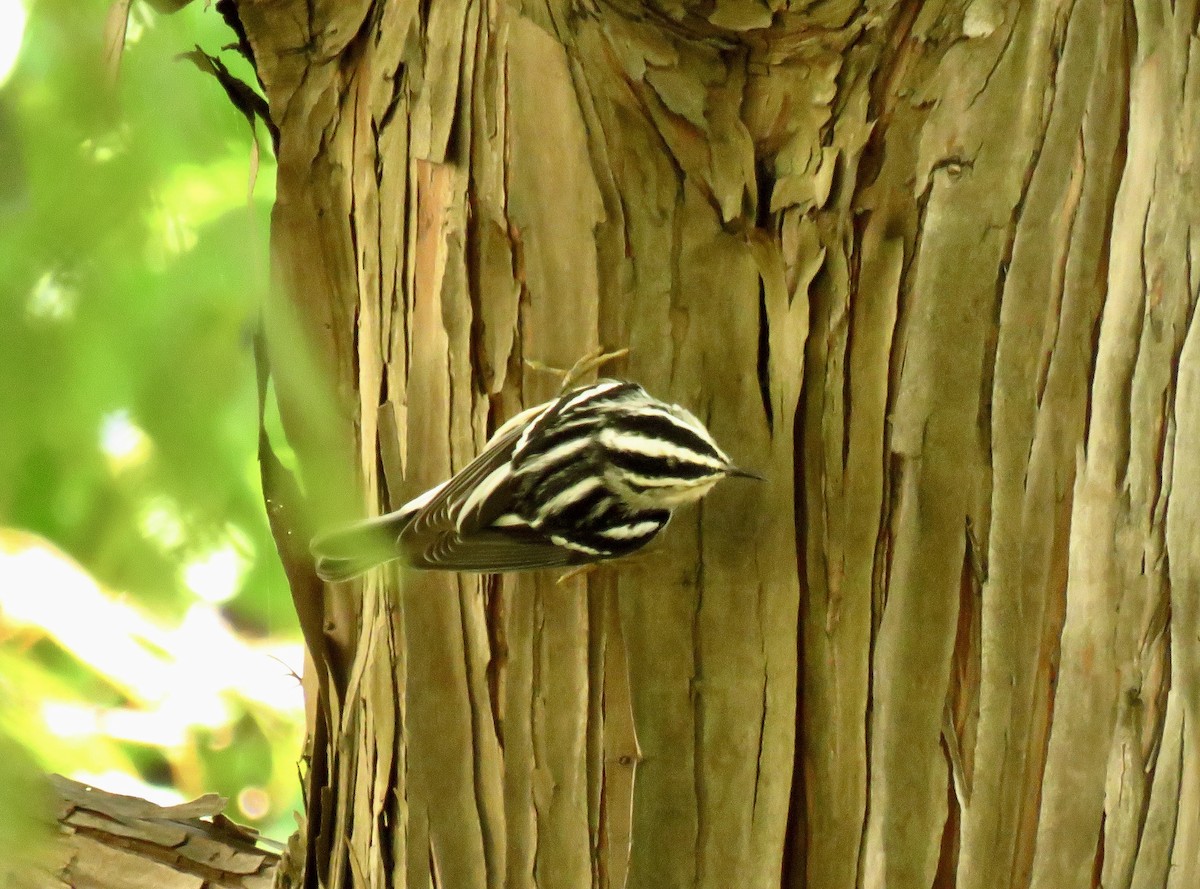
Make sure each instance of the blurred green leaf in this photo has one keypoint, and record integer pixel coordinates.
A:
(132, 266)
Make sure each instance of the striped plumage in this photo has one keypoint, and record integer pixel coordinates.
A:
(589, 476)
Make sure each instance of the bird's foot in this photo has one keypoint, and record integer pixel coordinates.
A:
(577, 571)
(593, 360)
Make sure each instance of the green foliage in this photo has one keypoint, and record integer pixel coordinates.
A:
(132, 265)
(24, 794)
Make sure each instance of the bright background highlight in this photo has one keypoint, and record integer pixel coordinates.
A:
(147, 639)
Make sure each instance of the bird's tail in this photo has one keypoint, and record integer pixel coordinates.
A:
(348, 550)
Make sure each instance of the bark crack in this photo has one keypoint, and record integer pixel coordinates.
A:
(698, 708)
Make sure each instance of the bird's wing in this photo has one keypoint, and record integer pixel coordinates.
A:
(440, 511)
(418, 526)
(494, 551)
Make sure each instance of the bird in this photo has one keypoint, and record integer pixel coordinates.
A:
(589, 476)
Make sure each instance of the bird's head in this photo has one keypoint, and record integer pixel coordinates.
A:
(660, 456)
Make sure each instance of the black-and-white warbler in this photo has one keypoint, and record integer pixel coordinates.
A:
(592, 475)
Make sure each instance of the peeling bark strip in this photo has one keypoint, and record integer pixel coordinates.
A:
(931, 261)
(108, 841)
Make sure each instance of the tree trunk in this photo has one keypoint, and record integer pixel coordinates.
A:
(927, 267)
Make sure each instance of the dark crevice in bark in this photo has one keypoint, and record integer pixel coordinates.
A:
(1050, 653)
(987, 80)
(537, 620)
(1054, 311)
(882, 95)
(967, 661)
(697, 694)
(764, 356)
(482, 378)
(493, 603)
(318, 837)
(766, 224)
(947, 864)
(764, 183)
(597, 640)
(382, 493)
(473, 706)
(684, 28)
(434, 879)
(356, 252)
(384, 392)
(1123, 452)
(1098, 861)
(368, 34)
(961, 703)
(397, 98)
(795, 844)
(227, 10)
(675, 264)
(847, 379)
(602, 848)
(762, 727)
(388, 823)
(404, 272)
(385, 299)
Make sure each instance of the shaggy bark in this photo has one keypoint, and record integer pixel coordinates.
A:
(107, 841)
(926, 266)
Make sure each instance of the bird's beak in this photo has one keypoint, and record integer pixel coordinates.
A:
(743, 473)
